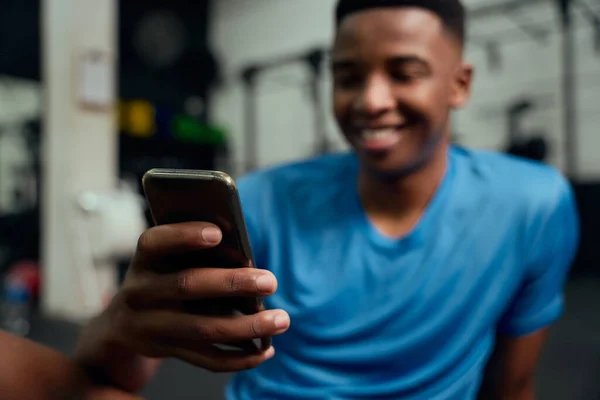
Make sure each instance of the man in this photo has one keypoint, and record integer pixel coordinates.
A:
(408, 268)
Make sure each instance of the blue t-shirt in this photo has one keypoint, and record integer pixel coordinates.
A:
(411, 318)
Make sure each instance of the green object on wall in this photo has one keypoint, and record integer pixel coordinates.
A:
(189, 129)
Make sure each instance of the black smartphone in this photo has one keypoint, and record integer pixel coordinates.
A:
(180, 195)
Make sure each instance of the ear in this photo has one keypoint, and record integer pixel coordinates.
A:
(461, 86)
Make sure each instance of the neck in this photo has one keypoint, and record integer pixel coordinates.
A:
(396, 206)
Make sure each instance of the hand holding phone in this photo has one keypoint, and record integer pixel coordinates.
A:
(176, 196)
(177, 301)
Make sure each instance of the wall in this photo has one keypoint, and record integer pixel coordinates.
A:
(244, 32)
(79, 152)
(533, 69)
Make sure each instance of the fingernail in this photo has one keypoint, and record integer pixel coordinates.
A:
(281, 320)
(269, 353)
(211, 235)
(265, 283)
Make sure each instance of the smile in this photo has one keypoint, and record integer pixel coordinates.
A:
(380, 139)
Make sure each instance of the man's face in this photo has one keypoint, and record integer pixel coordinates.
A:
(397, 74)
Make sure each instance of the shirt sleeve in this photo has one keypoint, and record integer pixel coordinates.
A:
(539, 301)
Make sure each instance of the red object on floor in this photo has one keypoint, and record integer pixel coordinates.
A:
(28, 272)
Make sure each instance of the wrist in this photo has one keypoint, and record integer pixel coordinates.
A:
(93, 352)
(107, 362)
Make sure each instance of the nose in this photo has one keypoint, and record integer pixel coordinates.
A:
(376, 97)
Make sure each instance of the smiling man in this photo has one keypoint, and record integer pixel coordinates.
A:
(409, 268)
(404, 265)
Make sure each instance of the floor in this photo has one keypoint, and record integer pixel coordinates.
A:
(569, 369)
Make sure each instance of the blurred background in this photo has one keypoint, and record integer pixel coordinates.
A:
(94, 93)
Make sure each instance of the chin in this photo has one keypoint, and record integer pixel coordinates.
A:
(401, 160)
(393, 173)
(390, 167)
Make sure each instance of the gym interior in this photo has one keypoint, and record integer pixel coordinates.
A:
(95, 93)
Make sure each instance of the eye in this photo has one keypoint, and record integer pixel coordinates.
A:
(408, 73)
(347, 80)
(402, 77)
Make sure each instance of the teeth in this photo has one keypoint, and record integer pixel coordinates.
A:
(377, 134)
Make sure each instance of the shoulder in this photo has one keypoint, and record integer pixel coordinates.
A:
(291, 191)
(297, 176)
(538, 200)
(535, 188)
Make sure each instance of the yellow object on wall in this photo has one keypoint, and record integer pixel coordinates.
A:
(137, 118)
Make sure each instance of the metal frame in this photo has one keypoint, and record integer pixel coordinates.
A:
(569, 86)
(314, 59)
(566, 10)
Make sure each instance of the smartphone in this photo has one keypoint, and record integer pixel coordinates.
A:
(180, 195)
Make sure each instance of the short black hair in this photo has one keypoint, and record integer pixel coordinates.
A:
(451, 12)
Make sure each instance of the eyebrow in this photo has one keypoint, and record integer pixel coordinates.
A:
(348, 63)
(411, 60)
(343, 64)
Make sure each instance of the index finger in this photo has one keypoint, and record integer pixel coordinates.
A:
(178, 238)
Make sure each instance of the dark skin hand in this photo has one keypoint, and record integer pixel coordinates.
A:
(34, 372)
(147, 322)
(511, 370)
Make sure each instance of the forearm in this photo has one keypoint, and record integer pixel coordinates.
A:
(107, 363)
(523, 392)
(507, 391)
(525, 395)
(510, 372)
(31, 371)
